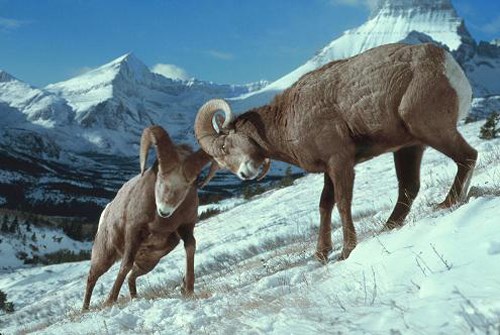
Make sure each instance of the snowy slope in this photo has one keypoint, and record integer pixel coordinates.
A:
(256, 274)
(36, 242)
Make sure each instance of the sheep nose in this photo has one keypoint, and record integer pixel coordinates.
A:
(243, 175)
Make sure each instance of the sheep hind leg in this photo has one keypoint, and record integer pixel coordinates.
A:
(131, 248)
(441, 134)
(407, 162)
(327, 201)
(455, 147)
(465, 157)
(136, 272)
(143, 266)
(98, 267)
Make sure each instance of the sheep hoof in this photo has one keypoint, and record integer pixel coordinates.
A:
(322, 255)
(346, 251)
(187, 293)
(390, 225)
(444, 205)
(108, 303)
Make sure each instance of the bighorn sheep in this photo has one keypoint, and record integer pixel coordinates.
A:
(149, 216)
(394, 98)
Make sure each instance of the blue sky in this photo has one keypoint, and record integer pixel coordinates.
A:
(225, 41)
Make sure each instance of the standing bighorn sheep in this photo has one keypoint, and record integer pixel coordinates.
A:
(149, 216)
(394, 98)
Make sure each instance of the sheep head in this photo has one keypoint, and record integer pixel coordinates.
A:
(175, 175)
(229, 148)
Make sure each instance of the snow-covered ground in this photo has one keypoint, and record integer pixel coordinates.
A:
(439, 274)
(35, 242)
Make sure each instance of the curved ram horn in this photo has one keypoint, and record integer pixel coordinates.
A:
(204, 124)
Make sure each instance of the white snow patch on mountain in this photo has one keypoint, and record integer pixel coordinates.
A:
(36, 105)
(94, 86)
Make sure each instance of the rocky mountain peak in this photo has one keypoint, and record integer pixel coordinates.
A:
(5, 77)
(128, 66)
(397, 7)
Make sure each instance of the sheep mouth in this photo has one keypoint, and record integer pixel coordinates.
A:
(248, 171)
(165, 211)
(164, 214)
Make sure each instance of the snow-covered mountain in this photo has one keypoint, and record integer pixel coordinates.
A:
(123, 96)
(36, 105)
(77, 140)
(410, 21)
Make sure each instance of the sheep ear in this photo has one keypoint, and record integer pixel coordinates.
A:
(214, 167)
(194, 164)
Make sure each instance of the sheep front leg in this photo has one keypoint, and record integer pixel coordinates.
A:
(145, 262)
(326, 204)
(190, 248)
(342, 175)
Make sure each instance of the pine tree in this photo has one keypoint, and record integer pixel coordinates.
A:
(33, 237)
(490, 128)
(5, 225)
(14, 226)
(4, 304)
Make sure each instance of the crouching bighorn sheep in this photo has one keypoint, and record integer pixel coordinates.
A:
(149, 216)
(394, 98)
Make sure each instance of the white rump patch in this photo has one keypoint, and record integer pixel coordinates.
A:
(101, 219)
(460, 84)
